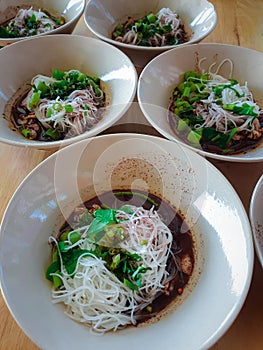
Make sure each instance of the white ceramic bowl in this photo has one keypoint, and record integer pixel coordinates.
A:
(64, 52)
(101, 16)
(256, 218)
(224, 247)
(159, 78)
(70, 10)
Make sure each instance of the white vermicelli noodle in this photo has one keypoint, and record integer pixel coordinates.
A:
(213, 113)
(96, 297)
(44, 22)
(86, 108)
(93, 295)
(165, 17)
(151, 239)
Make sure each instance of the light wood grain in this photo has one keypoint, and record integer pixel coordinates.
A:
(240, 22)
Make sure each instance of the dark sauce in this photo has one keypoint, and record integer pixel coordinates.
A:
(19, 119)
(183, 244)
(236, 147)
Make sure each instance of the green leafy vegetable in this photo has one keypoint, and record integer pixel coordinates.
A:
(53, 268)
(103, 217)
(5, 33)
(244, 109)
(195, 90)
(86, 218)
(146, 28)
(124, 265)
(70, 258)
(24, 25)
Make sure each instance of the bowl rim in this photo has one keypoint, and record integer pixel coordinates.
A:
(255, 196)
(146, 48)
(172, 137)
(97, 128)
(236, 307)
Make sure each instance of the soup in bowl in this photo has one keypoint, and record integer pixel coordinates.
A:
(208, 98)
(122, 235)
(24, 18)
(144, 29)
(50, 100)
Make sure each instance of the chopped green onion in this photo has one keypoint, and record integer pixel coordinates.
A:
(231, 135)
(26, 133)
(54, 134)
(34, 100)
(144, 242)
(58, 74)
(57, 106)
(194, 137)
(49, 113)
(115, 261)
(187, 91)
(68, 108)
(57, 281)
(182, 125)
(72, 236)
(151, 18)
(42, 87)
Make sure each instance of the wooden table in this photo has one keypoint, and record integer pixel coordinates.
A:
(240, 22)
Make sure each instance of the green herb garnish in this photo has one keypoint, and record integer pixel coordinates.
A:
(199, 89)
(124, 265)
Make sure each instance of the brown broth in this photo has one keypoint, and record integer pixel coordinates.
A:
(18, 115)
(241, 146)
